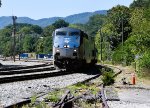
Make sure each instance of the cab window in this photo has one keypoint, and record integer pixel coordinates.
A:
(74, 34)
(61, 33)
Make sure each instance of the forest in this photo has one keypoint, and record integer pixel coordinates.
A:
(121, 37)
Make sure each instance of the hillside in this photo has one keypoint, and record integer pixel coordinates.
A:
(76, 18)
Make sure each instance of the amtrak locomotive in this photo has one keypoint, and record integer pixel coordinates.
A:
(72, 48)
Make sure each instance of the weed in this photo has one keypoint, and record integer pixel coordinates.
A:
(54, 96)
(108, 78)
(33, 99)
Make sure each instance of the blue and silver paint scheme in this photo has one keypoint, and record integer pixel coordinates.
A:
(66, 45)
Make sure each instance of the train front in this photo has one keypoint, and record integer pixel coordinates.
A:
(66, 43)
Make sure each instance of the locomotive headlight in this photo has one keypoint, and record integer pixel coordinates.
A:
(57, 50)
(75, 50)
(66, 46)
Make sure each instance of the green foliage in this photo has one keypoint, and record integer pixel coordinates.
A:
(54, 96)
(115, 30)
(145, 60)
(25, 30)
(47, 45)
(5, 44)
(123, 55)
(28, 39)
(107, 78)
(28, 45)
(44, 45)
(94, 23)
(60, 23)
(119, 18)
(47, 31)
(140, 36)
(39, 46)
(42, 105)
(33, 99)
(140, 4)
(77, 86)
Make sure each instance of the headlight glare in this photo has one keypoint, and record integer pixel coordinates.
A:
(75, 50)
(57, 50)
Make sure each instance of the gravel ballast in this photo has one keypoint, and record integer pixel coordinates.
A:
(11, 93)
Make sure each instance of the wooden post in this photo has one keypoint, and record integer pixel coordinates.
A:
(14, 38)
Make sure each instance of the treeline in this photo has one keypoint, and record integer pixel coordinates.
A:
(29, 38)
(32, 38)
(125, 36)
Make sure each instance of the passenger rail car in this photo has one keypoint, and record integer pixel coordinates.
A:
(72, 48)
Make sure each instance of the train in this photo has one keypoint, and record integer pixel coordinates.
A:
(73, 48)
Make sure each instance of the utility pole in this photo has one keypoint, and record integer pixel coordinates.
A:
(122, 31)
(20, 35)
(101, 40)
(122, 37)
(14, 38)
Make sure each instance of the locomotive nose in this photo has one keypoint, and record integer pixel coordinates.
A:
(67, 53)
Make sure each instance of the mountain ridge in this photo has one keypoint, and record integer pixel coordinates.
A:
(72, 19)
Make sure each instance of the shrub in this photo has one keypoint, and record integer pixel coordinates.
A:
(108, 78)
(145, 60)
(123, 55)
(144, 65)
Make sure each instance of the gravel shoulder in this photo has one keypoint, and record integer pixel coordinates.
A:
(19, 63)
(130, 96)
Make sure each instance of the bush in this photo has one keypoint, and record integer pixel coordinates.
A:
(123, 55)
(144, 65)
(145, 60)
(108, 78)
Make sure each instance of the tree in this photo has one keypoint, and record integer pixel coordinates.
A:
(36, 29)
(119, 18)
(5, 41)
(140, 4)
(140, 36)
(25, 30)
(60, 23)
(28, 44)
(47, 31)
(94, 24)
(39, 46)
(47, 45)
(44, 45)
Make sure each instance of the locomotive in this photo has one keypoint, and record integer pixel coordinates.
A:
(73, 48)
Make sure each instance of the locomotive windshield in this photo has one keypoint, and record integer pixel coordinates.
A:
(61, 33)
(67, 36)
(74, 33)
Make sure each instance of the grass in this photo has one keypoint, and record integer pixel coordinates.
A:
(55, 96)
(33, 99)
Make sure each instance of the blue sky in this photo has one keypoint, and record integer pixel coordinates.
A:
(38, 9)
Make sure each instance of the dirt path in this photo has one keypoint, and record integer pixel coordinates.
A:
(130, 96)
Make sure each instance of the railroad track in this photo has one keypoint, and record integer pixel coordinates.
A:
(9, 67)
(71, 78)
(29, 72)
(35, 72)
